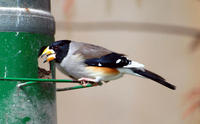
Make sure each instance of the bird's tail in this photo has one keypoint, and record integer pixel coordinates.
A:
(150, 75)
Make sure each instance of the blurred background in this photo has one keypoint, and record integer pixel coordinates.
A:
(162, 34)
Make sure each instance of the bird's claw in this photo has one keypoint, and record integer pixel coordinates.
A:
(85, 81)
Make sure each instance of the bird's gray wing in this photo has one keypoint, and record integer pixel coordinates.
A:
(88, 51)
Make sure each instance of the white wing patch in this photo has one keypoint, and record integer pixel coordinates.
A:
(118, 61)
(99, 64)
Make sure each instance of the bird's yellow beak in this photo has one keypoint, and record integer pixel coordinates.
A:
(49, 53)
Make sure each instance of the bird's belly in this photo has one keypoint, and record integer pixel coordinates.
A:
(103, 73)
(75, 71)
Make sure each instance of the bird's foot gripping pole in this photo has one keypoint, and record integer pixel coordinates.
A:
(85, 81)
(31, 81)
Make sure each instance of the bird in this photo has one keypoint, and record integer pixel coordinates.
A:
(92, 63)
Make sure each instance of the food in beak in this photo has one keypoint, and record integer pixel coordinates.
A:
(49, 53)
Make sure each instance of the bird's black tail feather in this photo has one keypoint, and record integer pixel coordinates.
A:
(155, 77)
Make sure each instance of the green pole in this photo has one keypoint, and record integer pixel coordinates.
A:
(25, 26)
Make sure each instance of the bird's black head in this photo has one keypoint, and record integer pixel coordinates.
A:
(57, 50)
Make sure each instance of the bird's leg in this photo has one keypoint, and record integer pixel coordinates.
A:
(84, 81)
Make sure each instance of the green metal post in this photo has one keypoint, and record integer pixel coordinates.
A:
(25, 26)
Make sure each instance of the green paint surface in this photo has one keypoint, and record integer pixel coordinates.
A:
(19, 58)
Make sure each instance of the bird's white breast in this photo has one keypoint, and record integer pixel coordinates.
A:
(73, 65)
